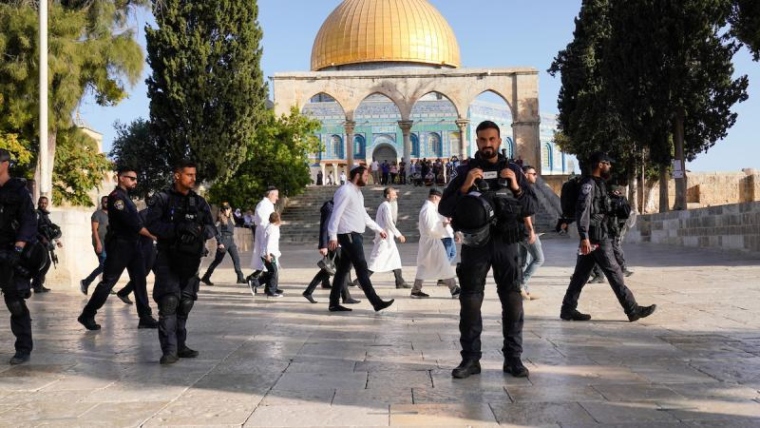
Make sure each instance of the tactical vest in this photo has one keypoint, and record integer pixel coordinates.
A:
(10, 206)
(507, 209)
(600, 207)
(186, 249)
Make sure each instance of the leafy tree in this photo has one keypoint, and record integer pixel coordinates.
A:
(91, 50)
(278, 156)
(745, 24)
(135, 146)
(79, 168)
(207, 92)
(669, 70)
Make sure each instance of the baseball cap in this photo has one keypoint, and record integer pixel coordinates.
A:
(599, 156)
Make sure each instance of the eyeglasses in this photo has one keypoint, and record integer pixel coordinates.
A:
(530, 173)
(131, 177)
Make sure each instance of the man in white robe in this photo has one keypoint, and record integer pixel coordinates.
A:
(264, 209)
(432, 257)
(385, 256)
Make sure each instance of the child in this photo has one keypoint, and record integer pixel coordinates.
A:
(271, 253)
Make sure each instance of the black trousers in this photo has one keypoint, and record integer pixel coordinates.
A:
(231, 248)
(149, 257)
(39, 280)
(175, 297)
(352, 253)
(15, 290)
(585, 263)
(122, 254)
(504, 258)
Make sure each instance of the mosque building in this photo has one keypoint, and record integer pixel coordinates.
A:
(386, 79)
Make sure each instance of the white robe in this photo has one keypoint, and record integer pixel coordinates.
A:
(385, 256)
(432, 262)
(261, 220)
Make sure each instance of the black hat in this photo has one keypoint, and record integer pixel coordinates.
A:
(435, 192)
(599, 156)
(269, 190)
(5, 155)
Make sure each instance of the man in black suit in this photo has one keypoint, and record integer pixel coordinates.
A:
(323, 276)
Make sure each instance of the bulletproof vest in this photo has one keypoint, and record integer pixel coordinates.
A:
(10, 205)
(186, 250)
(47, 228)
(507, 209)
(600, 207)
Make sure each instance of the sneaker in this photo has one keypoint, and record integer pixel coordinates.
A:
(465, 369)
(641, 312)
(596, 280)
(515, 367)
(124, 299)
(187, 353)
(419, 295)
(20, 358)
(83, 286)
(574, 315)
(88, 322)
(273, 295)
(168, 359)
(147, 322)
(456, 292)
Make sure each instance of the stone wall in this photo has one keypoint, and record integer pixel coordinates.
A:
(727, 227)
(707, 189)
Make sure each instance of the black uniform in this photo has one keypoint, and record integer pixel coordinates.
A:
(123, 249)
(501, 253)
(46, 234)
(591, 217)
(17, 223)
(182, 224)
(227, 233)
(615, 226)
(148, 250)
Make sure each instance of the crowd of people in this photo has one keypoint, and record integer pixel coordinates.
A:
(487, 207)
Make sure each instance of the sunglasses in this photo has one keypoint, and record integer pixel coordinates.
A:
(131, 177)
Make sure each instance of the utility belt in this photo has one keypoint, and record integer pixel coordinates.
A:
(597, 230)
(509, 234)
(185, 253)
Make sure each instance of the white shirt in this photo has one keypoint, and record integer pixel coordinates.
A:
(349, 214)
(271, 240)
(264, 209)
(375, 166)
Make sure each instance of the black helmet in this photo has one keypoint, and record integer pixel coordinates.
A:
(32, 260)
(473, 217)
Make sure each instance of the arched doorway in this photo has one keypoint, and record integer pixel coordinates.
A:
(385, 152)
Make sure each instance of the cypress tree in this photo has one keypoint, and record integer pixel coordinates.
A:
(207, 91)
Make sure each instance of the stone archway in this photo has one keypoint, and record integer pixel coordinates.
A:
(385, 152)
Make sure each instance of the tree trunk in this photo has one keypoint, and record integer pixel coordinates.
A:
(679, 170)
(664, 178)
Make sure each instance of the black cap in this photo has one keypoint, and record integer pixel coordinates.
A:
(270, 189)
(599, 156)
(435, 192)
(5, 155)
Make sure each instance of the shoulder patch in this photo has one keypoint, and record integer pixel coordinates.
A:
(586, 188)
(119, 205)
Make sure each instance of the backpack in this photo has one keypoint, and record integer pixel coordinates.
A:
(569, 196)
(621, 208)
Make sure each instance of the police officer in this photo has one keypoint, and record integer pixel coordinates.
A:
(123, 248)
(18, 229)
(181, 219)
(592, 211)
(501, 186)
(148, 250)
(48, 233)
(621, 211)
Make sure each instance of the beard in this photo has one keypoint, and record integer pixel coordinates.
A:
(360, 182)
(488, 153)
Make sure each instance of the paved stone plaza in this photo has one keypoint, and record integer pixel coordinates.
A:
(285, 362)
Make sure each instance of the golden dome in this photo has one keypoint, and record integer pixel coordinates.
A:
(366, 31)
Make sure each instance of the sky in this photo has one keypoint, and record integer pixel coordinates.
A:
(491, 33)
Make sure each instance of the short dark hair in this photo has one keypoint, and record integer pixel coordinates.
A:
(526, 168)
(359, 170)
(41, 198)
(184, 163)
(487, 124)
(124, 168)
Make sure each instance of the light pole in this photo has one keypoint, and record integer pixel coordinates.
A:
(44, 185)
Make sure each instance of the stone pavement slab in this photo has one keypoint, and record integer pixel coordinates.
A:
(286, 362)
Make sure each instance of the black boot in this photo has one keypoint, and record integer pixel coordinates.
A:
(206, 279)
(241, 278)
(466, 368)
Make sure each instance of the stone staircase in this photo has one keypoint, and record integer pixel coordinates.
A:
(301, 214)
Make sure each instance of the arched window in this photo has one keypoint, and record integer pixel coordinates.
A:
(360, 151)
(434, 146)
(547, 152)
(415, 145)
(509, 146)
(336, 146)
